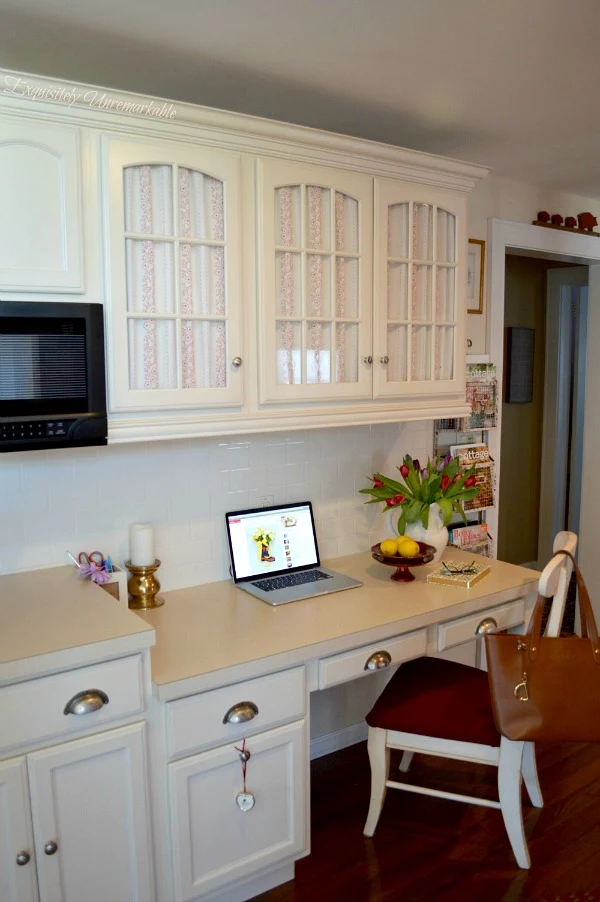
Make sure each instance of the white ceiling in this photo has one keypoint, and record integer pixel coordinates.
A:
(514, 84)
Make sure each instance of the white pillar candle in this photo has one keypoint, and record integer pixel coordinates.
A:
(141, 544)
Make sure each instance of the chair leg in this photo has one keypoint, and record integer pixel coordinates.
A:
(509, 790)
(405, 761)
(379, 759)
(530, 775)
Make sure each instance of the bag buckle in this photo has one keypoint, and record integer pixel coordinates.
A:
(520, 691)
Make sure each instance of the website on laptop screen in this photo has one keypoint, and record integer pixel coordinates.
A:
(268, 541)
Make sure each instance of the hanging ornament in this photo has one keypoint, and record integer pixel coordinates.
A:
(244, 800)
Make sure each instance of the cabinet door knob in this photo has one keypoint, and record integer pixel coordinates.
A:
(384, 359)
(487, 625)
(237, 361)
(368, 359)
(87, 701)
(241, 712)
(378, 660)
(23, 858)
(50, 847)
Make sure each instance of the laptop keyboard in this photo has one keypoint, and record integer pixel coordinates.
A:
(291, 579)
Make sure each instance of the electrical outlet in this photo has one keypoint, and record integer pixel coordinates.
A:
(265, 500)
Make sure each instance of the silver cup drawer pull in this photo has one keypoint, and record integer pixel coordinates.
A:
(487, 625)
(86, 702)
(241, 712)
(378, 660)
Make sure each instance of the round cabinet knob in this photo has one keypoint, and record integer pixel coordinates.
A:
(23, 858)
(488, 625)
(378, 660)
(50, 847)
(237, 361)
(384, 359)
(86, 702)
(241, 712)
(368, 359)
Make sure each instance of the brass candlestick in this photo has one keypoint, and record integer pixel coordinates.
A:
(143, 586)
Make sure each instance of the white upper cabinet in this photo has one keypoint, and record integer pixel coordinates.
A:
(315, 277)
(420, 240)
(173, 239)
(40, 210)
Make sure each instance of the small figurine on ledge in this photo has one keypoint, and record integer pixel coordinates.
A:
(586, 221)
(584, 224)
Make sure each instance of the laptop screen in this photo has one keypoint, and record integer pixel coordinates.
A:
(271, 540)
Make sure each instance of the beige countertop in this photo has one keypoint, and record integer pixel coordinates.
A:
(206, 630)
(52, 619)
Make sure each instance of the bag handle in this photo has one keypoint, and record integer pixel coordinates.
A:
(588, 623)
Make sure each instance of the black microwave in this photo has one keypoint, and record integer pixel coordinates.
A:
(52, 375)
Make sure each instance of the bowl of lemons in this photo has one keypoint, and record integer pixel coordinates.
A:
(403, 553)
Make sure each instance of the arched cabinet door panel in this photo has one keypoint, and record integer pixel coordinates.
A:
(315, 282)
(40, 211)
(173, 219)
(420, 291)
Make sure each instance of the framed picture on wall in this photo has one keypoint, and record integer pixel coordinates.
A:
(475, 269)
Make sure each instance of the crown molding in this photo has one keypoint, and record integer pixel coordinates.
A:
(29, 95)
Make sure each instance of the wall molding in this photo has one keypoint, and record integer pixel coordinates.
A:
(340, 739)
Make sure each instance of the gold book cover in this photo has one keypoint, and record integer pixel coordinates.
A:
(455, 573)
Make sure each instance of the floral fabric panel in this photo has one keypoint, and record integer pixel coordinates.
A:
(317, 261)
(421, 293)
(176, 289)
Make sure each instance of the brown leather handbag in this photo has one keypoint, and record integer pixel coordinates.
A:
(544, 688)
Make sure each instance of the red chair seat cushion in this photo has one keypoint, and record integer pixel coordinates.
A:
(432, 697)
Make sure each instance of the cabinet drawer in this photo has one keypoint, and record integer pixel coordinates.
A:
(214, 842)
(33, 711)
(456, 631)
(351, 664)
(197, 722)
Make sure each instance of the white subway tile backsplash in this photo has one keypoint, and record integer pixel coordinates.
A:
(87, 498)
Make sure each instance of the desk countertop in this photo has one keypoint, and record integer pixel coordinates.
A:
(206, 630)
(52, 620)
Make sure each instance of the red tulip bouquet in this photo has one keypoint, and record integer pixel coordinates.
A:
(442, 482)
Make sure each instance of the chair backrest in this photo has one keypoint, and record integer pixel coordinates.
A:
(555, 579)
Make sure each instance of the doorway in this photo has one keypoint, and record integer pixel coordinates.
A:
(542, 434)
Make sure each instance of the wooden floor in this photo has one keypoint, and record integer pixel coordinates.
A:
(433, 849)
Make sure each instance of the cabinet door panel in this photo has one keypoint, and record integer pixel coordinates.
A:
(420, 242)
(17, 882)
(40, 215)
(89, 797)
(315, 273)
(216, 843)
(173, 216)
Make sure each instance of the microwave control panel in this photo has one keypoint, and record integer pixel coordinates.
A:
(21, 430)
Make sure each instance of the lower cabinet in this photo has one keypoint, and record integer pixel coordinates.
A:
(215, 842)
(74, 822)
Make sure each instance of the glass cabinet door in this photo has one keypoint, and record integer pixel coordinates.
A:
(315, 302)
(419, 347)
(175, 277)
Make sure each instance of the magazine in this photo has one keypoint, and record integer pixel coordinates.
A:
(481, 395)
(478, 455)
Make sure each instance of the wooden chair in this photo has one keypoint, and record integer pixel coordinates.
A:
(442, 708)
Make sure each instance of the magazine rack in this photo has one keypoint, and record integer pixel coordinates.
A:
(468, 437)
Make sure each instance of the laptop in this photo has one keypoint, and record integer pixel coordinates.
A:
(274, 554)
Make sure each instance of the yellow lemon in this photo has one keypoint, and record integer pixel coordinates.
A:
(388, 546)
(407, 547)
